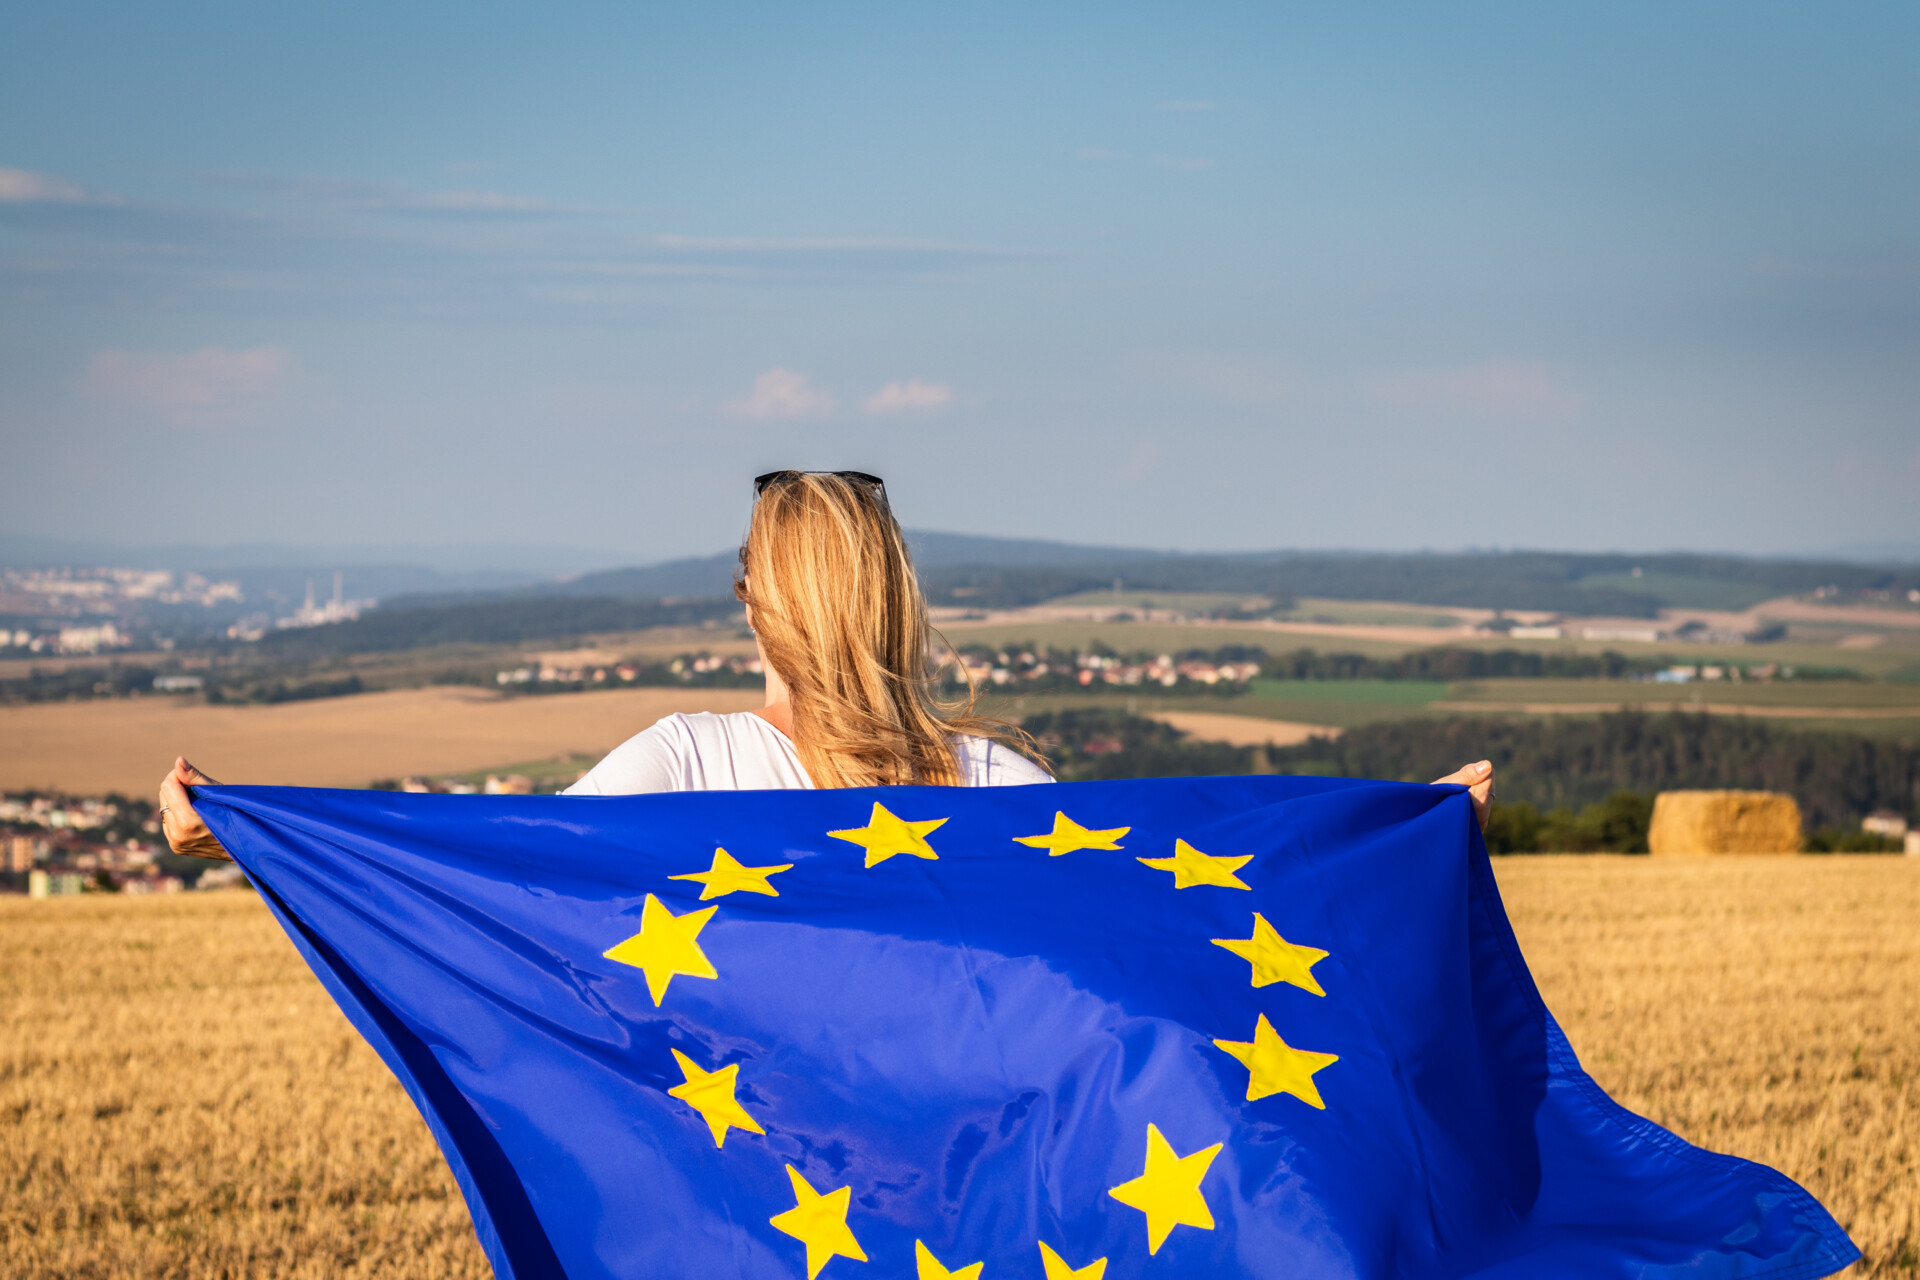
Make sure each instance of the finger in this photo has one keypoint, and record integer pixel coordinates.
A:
(190, 775)
(178, 821)
(1482, 794)
(173, 795)
(1468, 775)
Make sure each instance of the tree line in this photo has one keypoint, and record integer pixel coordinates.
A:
(1565, 782)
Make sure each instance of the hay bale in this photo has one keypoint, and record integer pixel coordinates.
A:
(1695, 822)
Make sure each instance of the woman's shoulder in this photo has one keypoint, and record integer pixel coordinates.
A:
(682, 751)
(985, 762)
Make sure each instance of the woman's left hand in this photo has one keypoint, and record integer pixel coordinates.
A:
(179, 822)
(1478, 780)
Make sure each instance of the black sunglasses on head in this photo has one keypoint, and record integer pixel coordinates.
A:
(761, 482)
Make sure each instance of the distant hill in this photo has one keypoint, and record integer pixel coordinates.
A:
(487, 621)
(713, 575)
(1007, 572)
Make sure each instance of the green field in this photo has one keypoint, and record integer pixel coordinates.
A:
(1370, 613)
(1201, 602)
(1365, 613)
(1842, 694)
(1158, 637)
(1334, 713)
(1394, 693)
(1898, 657)
(1349, 703)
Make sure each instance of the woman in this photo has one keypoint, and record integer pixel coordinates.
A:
(844, 641)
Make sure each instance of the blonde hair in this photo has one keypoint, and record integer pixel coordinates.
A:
(840, 617)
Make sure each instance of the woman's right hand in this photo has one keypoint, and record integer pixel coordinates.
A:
(181, 825)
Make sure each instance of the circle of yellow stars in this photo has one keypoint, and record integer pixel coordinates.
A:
(1167, 1192)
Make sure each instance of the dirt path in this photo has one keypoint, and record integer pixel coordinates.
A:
(126, 744)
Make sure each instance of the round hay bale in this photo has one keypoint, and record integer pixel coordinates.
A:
(1702, 822)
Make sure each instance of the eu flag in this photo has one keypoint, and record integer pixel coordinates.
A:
(1272, 1027)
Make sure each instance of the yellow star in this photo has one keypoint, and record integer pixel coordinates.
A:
(1191, 867)
(927, 1267)
(711, 1094)
(1274, 958)
(885, 835)
(1274, 1066)
(1057, 1268)
(727, 876)
(1169, 1191)
(665, 947)
(1069, 836)
(819, 1222)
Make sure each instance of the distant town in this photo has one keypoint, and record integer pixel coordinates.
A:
(100, 610)
(55, 845)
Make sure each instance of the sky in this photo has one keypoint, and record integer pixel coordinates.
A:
(1579, 276)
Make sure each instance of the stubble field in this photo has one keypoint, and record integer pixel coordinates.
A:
(178, 1097)
(126, 745)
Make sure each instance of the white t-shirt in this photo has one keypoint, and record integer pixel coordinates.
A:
(742, 752)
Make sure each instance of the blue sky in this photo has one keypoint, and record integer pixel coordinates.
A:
(1579, 276)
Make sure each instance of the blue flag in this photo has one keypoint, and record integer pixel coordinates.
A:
(1221, 1027)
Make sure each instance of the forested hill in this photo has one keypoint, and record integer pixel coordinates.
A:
(1565, 761)
(1007, 572)
(488, 621)
(1560, 762)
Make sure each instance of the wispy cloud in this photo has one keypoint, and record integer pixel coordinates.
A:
(832, 246)
(24, 186)
(781, 394)
(1186, 104)
(910, 396)
(214, 386)
(442, 255)
(1499, 388)
(391, 197)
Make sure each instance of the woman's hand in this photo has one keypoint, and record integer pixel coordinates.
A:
(1478, 780)
(184, 830)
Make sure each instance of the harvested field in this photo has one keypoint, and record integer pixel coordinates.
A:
(1764, 1007)
(127, 744)
(1243, 731)
(178, 1097)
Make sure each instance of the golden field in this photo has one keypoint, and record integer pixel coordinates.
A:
(178, 1097)
(125, 744)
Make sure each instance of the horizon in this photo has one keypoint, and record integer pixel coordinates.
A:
(562, 563)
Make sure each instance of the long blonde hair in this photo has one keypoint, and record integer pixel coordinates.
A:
(840, 617)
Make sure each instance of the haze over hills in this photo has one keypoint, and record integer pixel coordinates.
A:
(457, 597)
(997, 572)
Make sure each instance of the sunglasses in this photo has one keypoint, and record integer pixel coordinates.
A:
(761, 482)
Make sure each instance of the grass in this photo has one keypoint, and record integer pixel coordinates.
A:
(178, 1097)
